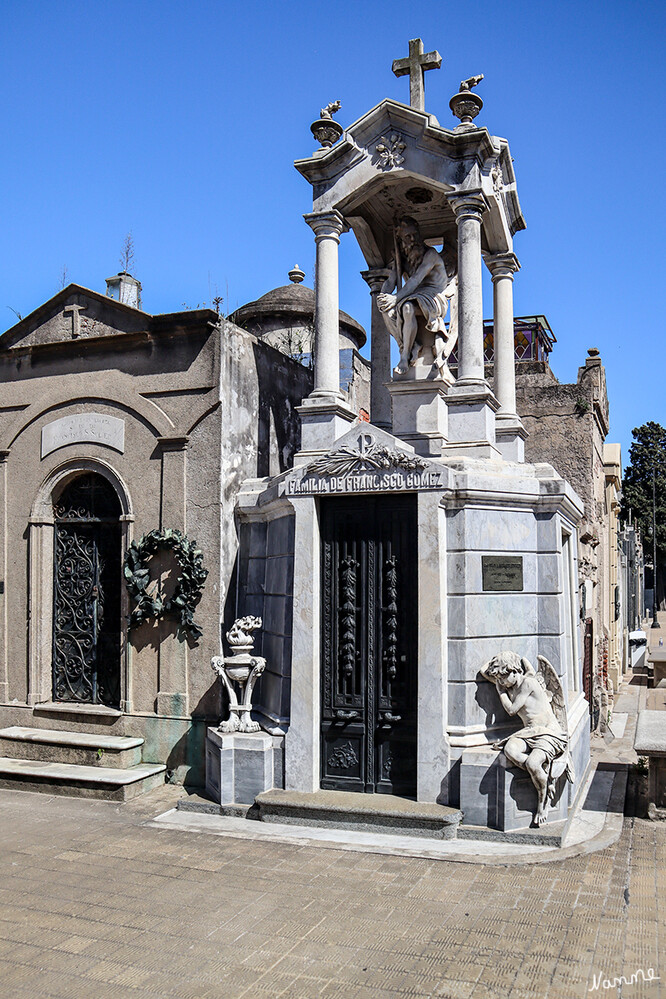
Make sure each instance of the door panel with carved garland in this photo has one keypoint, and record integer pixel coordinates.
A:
(369, 644)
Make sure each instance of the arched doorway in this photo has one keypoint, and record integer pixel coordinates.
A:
(86, 592)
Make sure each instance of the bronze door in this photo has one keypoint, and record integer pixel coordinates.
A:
(369, 644)
(86, 594)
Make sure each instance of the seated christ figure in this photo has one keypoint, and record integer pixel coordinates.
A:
(429, 286)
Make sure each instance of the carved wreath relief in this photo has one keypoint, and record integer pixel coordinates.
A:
(344, 757)
(369, 456)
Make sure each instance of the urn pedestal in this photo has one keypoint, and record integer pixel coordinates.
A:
(241, 765)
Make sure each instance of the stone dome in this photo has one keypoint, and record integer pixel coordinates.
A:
(290, 308)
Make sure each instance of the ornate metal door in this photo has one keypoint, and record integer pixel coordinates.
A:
(86, 593)
(369, 644)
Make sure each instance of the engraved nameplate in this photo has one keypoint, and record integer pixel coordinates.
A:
(502, 572)
(365, 482)
(84, 428)
(365, 465)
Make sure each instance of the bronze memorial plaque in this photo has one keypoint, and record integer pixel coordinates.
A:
(502, 572)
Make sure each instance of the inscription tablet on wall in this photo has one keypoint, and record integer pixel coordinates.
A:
(502, 572)
(84, 428)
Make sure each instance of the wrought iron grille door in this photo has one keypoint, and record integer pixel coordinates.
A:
(86, 593)
(369, 644)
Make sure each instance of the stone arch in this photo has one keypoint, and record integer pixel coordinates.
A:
(151, 414)
(68, 469)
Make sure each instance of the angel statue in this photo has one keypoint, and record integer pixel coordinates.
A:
(542, 746)
(431, 284)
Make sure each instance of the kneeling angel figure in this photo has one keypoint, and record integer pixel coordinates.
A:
(542, 746)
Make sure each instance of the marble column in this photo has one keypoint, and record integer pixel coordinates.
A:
(468, 211)
(380, 353)
(502, 267)
(509, 431)
(325, 415)
(471, 403)
(327, 227)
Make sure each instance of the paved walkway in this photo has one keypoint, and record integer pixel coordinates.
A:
(95, 903)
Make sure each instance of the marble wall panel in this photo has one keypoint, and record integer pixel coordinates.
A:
(491, 530)
(486, 614)
(279, 574)
(465, 574)
(467, 655)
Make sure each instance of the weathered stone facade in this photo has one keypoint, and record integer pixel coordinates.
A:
(284, 318)
(567, 425)
(174, 412)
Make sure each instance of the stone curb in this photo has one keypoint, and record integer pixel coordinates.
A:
(368, 843)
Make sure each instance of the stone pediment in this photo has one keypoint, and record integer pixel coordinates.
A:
(75, 313)
(366, 460)
(396, 160)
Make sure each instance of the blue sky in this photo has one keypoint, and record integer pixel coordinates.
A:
(180, 122)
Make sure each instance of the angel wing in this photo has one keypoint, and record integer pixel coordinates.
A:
(551, 681)
(564, 763)
(528, 668)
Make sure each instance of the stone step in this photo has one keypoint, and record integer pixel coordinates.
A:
(383, 813)
(82, 748)
(550, 835)
(111, 783)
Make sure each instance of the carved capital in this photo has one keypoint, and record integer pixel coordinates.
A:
(326, 225)
(502, 265)
(375, 278)
(173, 443)
(468, 204)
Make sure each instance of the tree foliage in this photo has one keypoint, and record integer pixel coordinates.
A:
(647, 454)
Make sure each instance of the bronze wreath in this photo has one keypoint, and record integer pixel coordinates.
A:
(189, 587)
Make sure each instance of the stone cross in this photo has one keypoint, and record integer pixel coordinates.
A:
(76, 318)
(416, 64)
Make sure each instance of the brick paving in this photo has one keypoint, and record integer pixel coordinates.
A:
(96, 905)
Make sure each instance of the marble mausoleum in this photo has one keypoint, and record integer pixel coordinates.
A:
(417, 548)
(399, 595)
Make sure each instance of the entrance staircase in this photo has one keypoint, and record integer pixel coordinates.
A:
(75, 763)
(377, 813)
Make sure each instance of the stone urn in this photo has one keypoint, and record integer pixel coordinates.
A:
(466, 106)
(326, 132)
(325, 129)
(240, 669)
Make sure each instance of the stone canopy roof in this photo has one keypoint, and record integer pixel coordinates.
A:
(294, 304)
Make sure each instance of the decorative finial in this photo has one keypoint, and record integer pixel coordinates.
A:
(473, 81)
(296, 275)
(416, 64)
(330, 110)
(325, 130)
(466, 105)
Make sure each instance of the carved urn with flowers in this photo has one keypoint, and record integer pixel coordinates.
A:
(325, 129)
(466, 105)
(240, 668)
